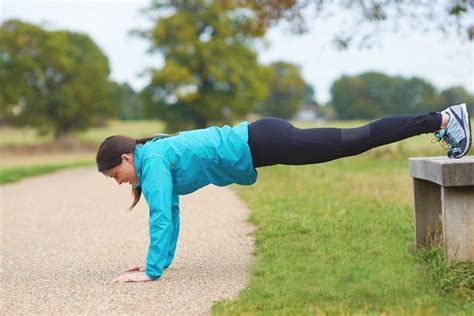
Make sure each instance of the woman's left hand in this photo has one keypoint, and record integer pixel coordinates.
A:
(132, 277)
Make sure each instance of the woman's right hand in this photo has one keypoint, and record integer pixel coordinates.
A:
(136, 267)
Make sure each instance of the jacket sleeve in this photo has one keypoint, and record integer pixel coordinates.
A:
(175, 234)
(157, 187)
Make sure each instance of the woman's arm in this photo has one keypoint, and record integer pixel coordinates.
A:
(175, 234)
(174, 237)
(157, 186)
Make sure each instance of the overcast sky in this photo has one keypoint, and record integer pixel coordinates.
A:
(428, 55)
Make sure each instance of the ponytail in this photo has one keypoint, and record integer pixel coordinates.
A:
(143, 140)
(137, 193)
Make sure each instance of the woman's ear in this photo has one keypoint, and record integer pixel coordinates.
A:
(128, 158)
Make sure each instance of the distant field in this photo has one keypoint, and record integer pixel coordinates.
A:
(15, 166)
(28, 136)
(44, 159)
(134, 129)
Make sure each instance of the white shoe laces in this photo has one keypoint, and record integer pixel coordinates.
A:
(450, 136)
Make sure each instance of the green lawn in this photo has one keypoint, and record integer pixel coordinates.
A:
(336, 238)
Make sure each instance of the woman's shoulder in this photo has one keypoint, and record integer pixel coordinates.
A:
(150, 150)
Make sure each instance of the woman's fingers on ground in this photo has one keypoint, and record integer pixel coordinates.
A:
(120, 279)
(135, 267)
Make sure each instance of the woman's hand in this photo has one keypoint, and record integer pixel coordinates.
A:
(132, 277)
(135, 267)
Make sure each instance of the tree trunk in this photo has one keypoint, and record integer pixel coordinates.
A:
(200, 122)
(62, 133)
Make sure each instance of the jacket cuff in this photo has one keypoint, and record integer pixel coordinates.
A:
(153, 278)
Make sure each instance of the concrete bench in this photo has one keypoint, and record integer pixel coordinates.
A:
(444, 204)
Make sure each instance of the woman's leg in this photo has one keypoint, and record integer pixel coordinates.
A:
(276, 141)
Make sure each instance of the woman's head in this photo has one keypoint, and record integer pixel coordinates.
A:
(115, 159)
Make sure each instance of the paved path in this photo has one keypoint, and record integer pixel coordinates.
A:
(66, 235)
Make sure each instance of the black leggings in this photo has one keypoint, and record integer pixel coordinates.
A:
(275, 141)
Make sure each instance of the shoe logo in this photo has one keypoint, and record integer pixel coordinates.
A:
(460, 119)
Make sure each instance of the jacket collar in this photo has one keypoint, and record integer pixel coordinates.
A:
(137, 160)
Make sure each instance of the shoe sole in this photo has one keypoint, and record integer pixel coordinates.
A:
(465, 114)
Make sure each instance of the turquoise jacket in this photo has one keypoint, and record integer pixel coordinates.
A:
(181, 164)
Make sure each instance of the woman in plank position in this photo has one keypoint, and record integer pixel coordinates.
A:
(163, 168)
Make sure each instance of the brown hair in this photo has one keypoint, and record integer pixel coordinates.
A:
(110, 154)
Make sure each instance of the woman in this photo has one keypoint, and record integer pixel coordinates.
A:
(165, 167)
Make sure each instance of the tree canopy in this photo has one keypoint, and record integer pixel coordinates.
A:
(127, 102)
(53, 80)
(286, 91)
(371, 95)
(370, 17)
(210, 71)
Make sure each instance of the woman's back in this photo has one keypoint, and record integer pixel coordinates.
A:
(218, 155)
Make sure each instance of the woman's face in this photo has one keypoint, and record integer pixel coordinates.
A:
(125, 172)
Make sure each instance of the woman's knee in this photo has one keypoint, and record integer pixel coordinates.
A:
(358, 136)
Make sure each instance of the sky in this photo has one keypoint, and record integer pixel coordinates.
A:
(442, 61)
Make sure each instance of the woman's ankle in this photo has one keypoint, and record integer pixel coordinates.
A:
(444, 120)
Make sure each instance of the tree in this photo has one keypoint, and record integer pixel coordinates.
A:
(52, 80)
(414, 95)
(309, 95)
(371, 95)
(210, 70)
(286, 91)
(457, 95)
(359, 97)
(128, 103)
(449, 17)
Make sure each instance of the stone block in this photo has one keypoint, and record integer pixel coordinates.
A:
(444, 204)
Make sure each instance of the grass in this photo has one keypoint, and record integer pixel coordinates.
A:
(337, 238)
(15, 174)
(447, 278)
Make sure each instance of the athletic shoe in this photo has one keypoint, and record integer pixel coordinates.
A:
(457, 133)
